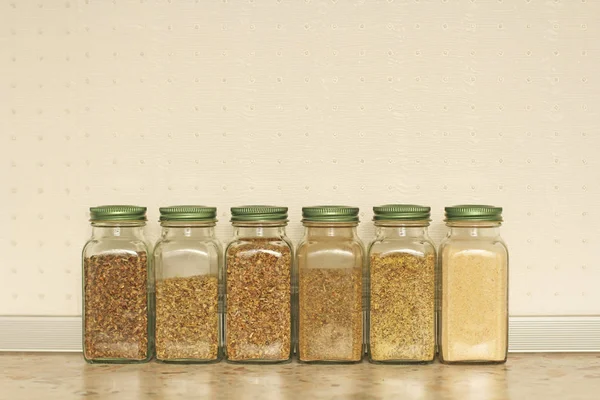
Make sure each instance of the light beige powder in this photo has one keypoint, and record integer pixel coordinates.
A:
(474, 304)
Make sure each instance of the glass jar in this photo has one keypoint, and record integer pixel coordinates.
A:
(187, 261)
(258, 287)
(118, 287)
(401, 310)
(474, 287)
(330, 262)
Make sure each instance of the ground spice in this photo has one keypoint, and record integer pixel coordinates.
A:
(258, 302)
(187, 318)
(402, 307)
(331, 318)
(116, 306)
(474, 305)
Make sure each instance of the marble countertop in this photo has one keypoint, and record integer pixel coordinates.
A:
(525, 376)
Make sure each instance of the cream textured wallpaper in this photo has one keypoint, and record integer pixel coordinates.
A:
(301, 102)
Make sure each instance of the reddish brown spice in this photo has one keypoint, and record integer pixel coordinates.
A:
(116, 306)
(258, 317)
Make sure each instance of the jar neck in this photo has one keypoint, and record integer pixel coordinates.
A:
(391, 232)
(259, 230)
(188, 230)
(483, 229)
(115, 230)
(330, 229)
(390, 229)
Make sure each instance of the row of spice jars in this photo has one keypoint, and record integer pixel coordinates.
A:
(326, 302)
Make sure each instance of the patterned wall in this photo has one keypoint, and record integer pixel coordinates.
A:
(301, 102)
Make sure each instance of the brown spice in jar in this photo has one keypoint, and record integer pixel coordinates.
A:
(331, 318)
(258, 308)
(116, 306)
(187, 318)
(402, 307)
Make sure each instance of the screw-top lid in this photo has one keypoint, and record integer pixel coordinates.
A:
(330, 214)
(401, 212)
(117, 213)
(258, 213)
(188, 213)
(473, 212)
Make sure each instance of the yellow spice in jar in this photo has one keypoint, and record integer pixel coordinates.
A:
(402, 303)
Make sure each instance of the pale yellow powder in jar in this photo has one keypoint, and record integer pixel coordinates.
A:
(474, 304)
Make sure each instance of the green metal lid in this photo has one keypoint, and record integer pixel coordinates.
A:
(117, 213)
(473, 212)
(401, 212)
(188, 213)
(330, 214)
(258, 213)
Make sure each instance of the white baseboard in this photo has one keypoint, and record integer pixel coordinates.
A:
(526, 334)
(554, 334)
(57, 334)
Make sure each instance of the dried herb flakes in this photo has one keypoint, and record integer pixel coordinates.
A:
(116, 306)
(187, 318)
(258, 308)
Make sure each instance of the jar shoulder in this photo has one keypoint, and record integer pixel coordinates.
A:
(331, 242)
(278, 245)
(347, 253)
(418, 246)
(491, 244)
(96, 246)
(212, 245)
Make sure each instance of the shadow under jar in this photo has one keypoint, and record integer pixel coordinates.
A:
(330, 262)
(117, 287)
(474, 287)
(258, 287)
(401, 310)
(187, 260)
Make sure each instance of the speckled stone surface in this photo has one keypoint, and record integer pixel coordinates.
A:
(525, 376)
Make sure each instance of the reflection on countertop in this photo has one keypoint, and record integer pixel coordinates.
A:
(525, 376)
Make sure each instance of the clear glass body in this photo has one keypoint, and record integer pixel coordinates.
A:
(474, 294)
(331, 298)
(402, 289)
(118, 294)
(188, 259)
(258, 294)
